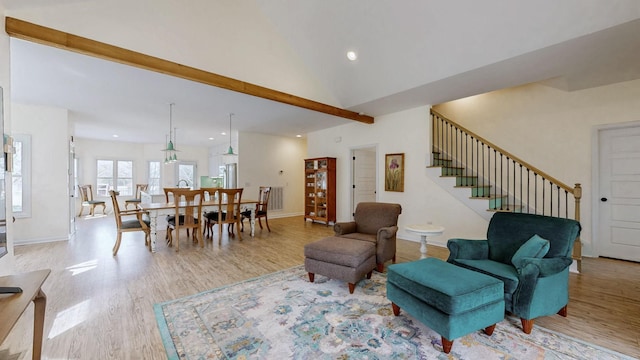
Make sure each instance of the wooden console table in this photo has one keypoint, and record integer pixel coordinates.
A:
(13, 305)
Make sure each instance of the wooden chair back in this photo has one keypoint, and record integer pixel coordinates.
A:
(169, 191)
(116, 208)
(263, 199)
(190, 203)
(229, 205)
(139, 189)
(211, 191)
(86, 193)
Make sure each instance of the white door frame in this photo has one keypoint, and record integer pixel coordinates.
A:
(595, 179)
(351, 176)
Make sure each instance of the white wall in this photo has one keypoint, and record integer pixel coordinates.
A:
(551, 129)
(7, 261)
(422, 201)
(260, 162)
(48, 128)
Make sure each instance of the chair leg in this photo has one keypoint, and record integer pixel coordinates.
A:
(312, 277)
(563, 311)
(352, 287)
(527, 325)
(446, 345)
(266, 221)
(116, 247)
(239, 235)
(81, 208)
(396, 309)
(169, 237)
(104, 209)
(177, 228)
(380, 267)
(489, 329)
(260, 223)
(369, 274)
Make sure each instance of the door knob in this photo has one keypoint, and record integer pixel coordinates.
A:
(603, 199)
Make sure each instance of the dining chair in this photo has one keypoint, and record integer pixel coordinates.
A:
(86, 195)
(138, 195)
(210, 217)
(229, 206)
(189, 202)
(125, 223)
(168, 192)
(261, 208)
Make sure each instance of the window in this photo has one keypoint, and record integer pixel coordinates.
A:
(186, 174)
(114, 175)
(21, 176)
(154, 178)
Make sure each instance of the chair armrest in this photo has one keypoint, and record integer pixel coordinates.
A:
(468, 249)
(342, 228)
(139, 215)
(388, 232)
(546, 267)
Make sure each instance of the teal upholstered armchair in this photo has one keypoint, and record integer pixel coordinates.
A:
(531, 254)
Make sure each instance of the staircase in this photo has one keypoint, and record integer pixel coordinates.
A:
(497, 178)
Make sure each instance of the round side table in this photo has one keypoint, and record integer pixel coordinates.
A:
(425, 230)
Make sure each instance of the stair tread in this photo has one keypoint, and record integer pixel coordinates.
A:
(509, 208)
(489, 197)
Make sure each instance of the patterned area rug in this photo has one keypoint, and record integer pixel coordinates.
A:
(284, 316)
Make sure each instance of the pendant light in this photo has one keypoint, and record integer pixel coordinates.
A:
(230, 150)
(170, 149)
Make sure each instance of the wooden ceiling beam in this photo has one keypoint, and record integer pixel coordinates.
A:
(43, 35)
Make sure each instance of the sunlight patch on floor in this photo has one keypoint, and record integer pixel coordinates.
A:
(83, 267)
(70, 317)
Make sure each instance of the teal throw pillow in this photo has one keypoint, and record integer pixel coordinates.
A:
(535, 247)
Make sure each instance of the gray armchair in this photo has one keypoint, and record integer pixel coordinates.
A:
(377, 223)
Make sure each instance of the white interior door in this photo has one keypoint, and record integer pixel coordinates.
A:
(363, 176)
(619, 224)
(73, 185)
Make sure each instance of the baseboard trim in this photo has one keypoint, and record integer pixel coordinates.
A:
(38, 241)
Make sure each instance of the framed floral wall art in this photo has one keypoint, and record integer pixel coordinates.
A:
(394, 172)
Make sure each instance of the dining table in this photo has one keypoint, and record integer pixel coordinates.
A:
(155, 209)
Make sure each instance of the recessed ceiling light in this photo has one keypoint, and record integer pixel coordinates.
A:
(351, 55)
(114, 135)
(298, 135)
(223, 133)
(210, 138)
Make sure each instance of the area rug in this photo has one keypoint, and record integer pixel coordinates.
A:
(284, 316)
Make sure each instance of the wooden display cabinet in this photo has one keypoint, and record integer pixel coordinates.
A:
(320, 190)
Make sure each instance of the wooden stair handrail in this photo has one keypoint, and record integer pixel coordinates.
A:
(575, 191)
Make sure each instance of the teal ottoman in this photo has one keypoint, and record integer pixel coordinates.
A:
(449, 299)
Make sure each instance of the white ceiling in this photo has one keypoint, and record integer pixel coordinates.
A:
(425, 52)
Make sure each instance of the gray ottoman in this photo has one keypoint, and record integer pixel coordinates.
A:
(340, 258)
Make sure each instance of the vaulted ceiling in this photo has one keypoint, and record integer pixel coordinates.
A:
(410, 54)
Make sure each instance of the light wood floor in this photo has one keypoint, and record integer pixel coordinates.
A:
(101, 307)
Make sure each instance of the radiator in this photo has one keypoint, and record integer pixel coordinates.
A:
(276, 199)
